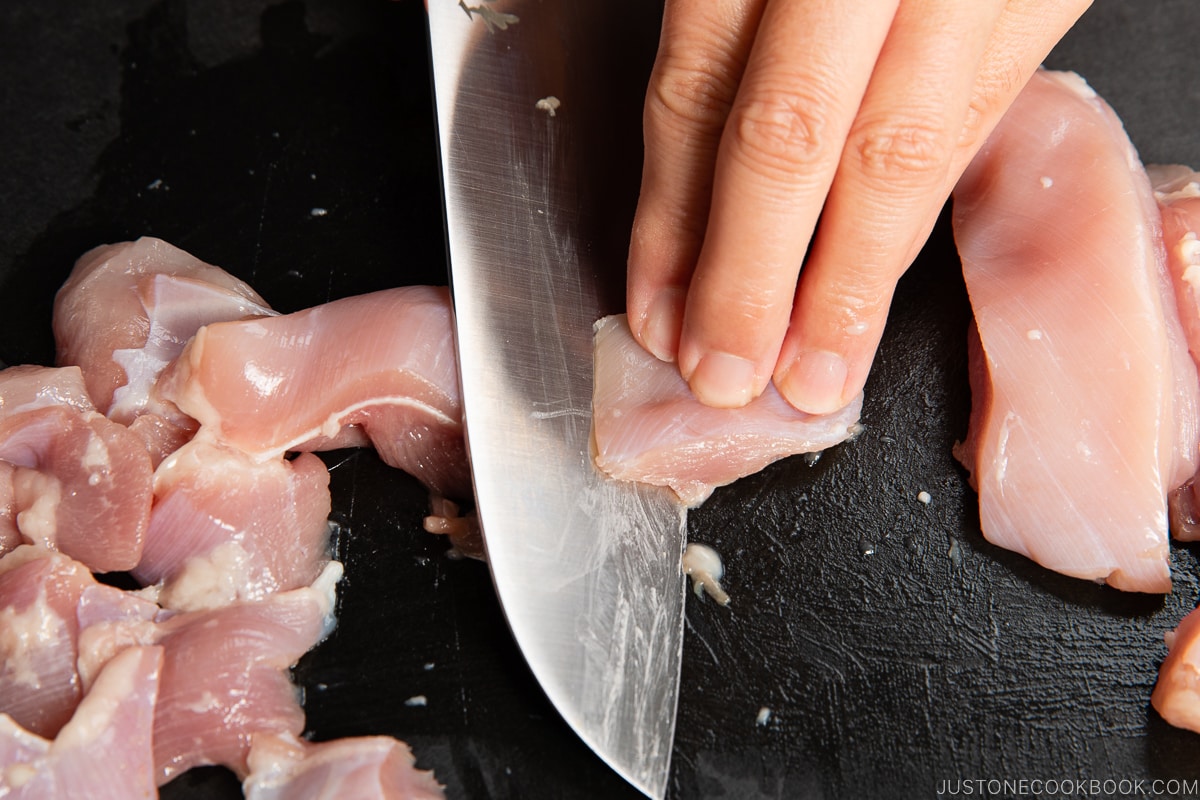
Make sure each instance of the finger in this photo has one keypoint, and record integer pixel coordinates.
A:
(887, 190)
(1024, 35)
(807, 72)
(702, 53)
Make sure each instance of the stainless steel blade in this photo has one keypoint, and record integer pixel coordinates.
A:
(538, 108)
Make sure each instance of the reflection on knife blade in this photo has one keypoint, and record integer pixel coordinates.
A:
(587, 569)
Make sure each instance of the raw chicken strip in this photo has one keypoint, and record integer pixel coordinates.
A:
(225, 527)
(380, 364)
(1178, 191)
(1084, 406)
(1176, 695)
(284, 767)
(128, 309)
(81, 484)
(103, 752)
(649, 427)
(225, 676)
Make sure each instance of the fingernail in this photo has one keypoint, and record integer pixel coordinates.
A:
(814, 382)
(723, 380)
(663, 321)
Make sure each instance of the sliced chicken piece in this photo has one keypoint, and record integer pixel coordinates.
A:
(39, 632)
(225, 527)
(103, 752)
(81, 484)
(283, 767)
(226, 676)
(1176, 695)
(47, 604)
(648, 426)
(378, 367)
(128, 309)
(1084, 400)
(1178, 191)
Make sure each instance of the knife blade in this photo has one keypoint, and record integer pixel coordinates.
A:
(538, 116)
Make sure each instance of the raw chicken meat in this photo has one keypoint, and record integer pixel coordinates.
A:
(25, 388)
(283, 767)
(1084, 400)
(103, 752)
(1178, 191)
(649, 427)
(225, 676)
(380, 366)
(128, 309)
(225, 527)
(1176, 695)
(39, 598)
(48, 604)
(230, 533)
(81, 484)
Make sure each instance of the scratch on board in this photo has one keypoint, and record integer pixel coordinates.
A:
(693, 632)
(929, 701)
(840, 649)
(262, 219)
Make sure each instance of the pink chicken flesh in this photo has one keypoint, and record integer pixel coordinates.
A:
(283, 767)
(103, 752)
(1176, 695)
(225, 678)
(1084, 399)
(648, 426)
(128, 309)
(80, 483)
(39, 633)
(225, 527)
(27, 388)
(382, 364)
(1178, 191)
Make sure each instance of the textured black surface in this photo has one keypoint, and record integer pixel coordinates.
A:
(894, 647)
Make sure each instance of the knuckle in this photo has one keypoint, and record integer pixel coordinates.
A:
(781, 133)
(906, 150)
(995, 87)
(689, 92)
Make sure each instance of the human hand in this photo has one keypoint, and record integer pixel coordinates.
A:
(772, 126)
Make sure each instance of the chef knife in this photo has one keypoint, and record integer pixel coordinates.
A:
(538, 109)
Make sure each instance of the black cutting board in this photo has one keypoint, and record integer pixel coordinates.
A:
(292, 143)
